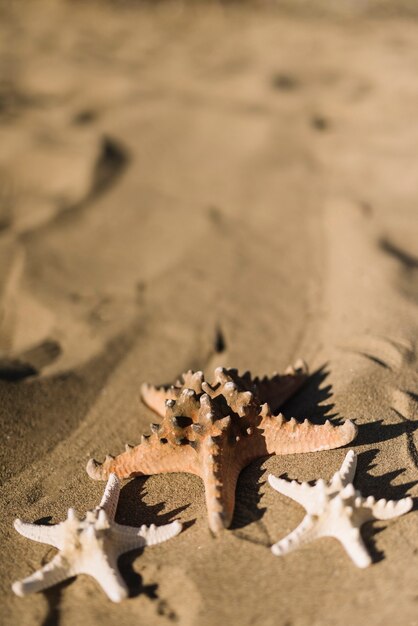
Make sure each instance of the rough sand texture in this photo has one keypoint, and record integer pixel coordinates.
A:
(183, 187)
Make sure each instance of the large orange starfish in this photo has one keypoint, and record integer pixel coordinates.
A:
(215, 430)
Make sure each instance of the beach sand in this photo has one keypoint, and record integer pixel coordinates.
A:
(187, 186)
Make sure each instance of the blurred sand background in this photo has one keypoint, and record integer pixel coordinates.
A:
(184, 185)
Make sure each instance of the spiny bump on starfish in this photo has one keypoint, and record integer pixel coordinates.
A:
(215, 429)
(90, 545)
(337, 510)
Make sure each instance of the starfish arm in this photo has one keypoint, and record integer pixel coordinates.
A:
(52, 573)
(130, 538)
(353, 544)
(156, 397)
(220, 466)
(388, 509)
(304, 533)
(151, 456)
(220, 498)
(109, 501)
(302, 493)
(104, 569)
(287, 437)
(345, 475)
(279, 388)
(50, 535)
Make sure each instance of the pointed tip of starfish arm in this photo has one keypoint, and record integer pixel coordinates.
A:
(387, 509)
(28, 585)
(158, 534)
(147, 393)
(277, 549)
(31, 531)
(278, 484)
(218, 522)
(407, 504)
(340, 435)
(273, 480)
(113, 485)
(143, 388)
(162, 533)
(355, 548)
(155, 397)
(366, 562)
(96, 470)
(176, 528)
(171, 530)
(345, 475)
(348, 467)
(19, 589)
(179, 526)
(288, 544)
(24, 528)
(117, 595)
(113, 481)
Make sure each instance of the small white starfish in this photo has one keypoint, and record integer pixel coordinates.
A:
(337, 510)
(90, 546)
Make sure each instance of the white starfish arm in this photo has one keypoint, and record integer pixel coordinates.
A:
(306, 495)
(129, 538)
(305, 532)
(52, 573)
(353, 544)
(50, 535)
(157, 534)
(109, 501)
(387, 509)
(104, 569)
(345, 474)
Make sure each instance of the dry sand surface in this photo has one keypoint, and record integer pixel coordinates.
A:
(185, 186)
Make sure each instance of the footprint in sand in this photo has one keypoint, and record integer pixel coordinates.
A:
(32, 337)
(390, 353)
(25, 324)
(179, 598)
(398, 357)
(48, 170)
(405, 405)
(407, 278)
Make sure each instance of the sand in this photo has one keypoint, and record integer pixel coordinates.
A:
(186, 186)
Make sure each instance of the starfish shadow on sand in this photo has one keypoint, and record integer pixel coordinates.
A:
(378, 431)
(134, 581)
(309, 402)
(247, 510)
(53, 597)
(379, 486)
(132, 511)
